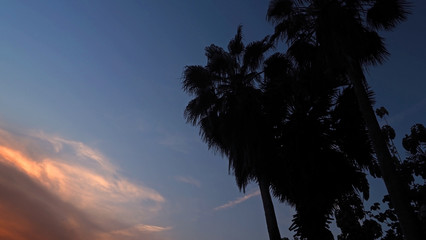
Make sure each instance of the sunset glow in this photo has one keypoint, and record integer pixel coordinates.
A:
(94, 140)
(96, 194)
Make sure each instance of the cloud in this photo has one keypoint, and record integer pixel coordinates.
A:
(237, 201)
(188, 180)
(55, 188)
(133, 231)
(80, 149)
(29, 211)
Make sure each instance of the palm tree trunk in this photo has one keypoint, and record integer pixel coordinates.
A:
(268, 207)
(408, 221)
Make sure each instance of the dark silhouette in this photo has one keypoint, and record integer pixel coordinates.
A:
(227, 106)
(344, 33)
(285, 128)
(357, 223)
(415, 165)
(321, 146)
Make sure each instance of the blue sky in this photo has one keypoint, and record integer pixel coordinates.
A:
(91, 91)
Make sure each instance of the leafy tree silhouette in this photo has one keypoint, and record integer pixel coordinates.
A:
(345, 32)
(357, 223)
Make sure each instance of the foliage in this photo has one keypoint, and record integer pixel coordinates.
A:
(284, 126)
(322, 145)
(228, 108)
(343, 37)
(293, 119)
(227, 105)
(357, 223)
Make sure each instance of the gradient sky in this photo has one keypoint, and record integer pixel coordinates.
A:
(93, 142)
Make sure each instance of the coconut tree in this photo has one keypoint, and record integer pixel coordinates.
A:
(227, 106)
(345, 32)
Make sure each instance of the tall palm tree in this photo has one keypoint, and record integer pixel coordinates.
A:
(316, 163)
(345, 32)
(227, 106)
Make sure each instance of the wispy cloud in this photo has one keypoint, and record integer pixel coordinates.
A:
(55, 188)
(141, 228)
(189, 180)
(237, 201)
(134, 232)
(80, 149)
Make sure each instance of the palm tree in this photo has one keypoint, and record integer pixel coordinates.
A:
(345, 32)
(316, 163)
(227, 107)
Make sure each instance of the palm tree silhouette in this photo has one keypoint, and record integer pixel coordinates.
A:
(345, 32)
(320, 148)
(263, 125)
(227, 106)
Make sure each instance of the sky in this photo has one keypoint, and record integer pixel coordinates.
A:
(93, 141)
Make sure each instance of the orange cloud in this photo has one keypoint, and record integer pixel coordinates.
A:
(54, 188)
(29, 211)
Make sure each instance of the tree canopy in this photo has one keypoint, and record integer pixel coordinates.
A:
(301, 121)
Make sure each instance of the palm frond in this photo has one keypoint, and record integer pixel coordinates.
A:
(219, 62)
(279, 9)
(236, 45)
(278, 67)
(254, 54)
(195, 79)
(199, 107)
(386, 14)
(372, 49)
